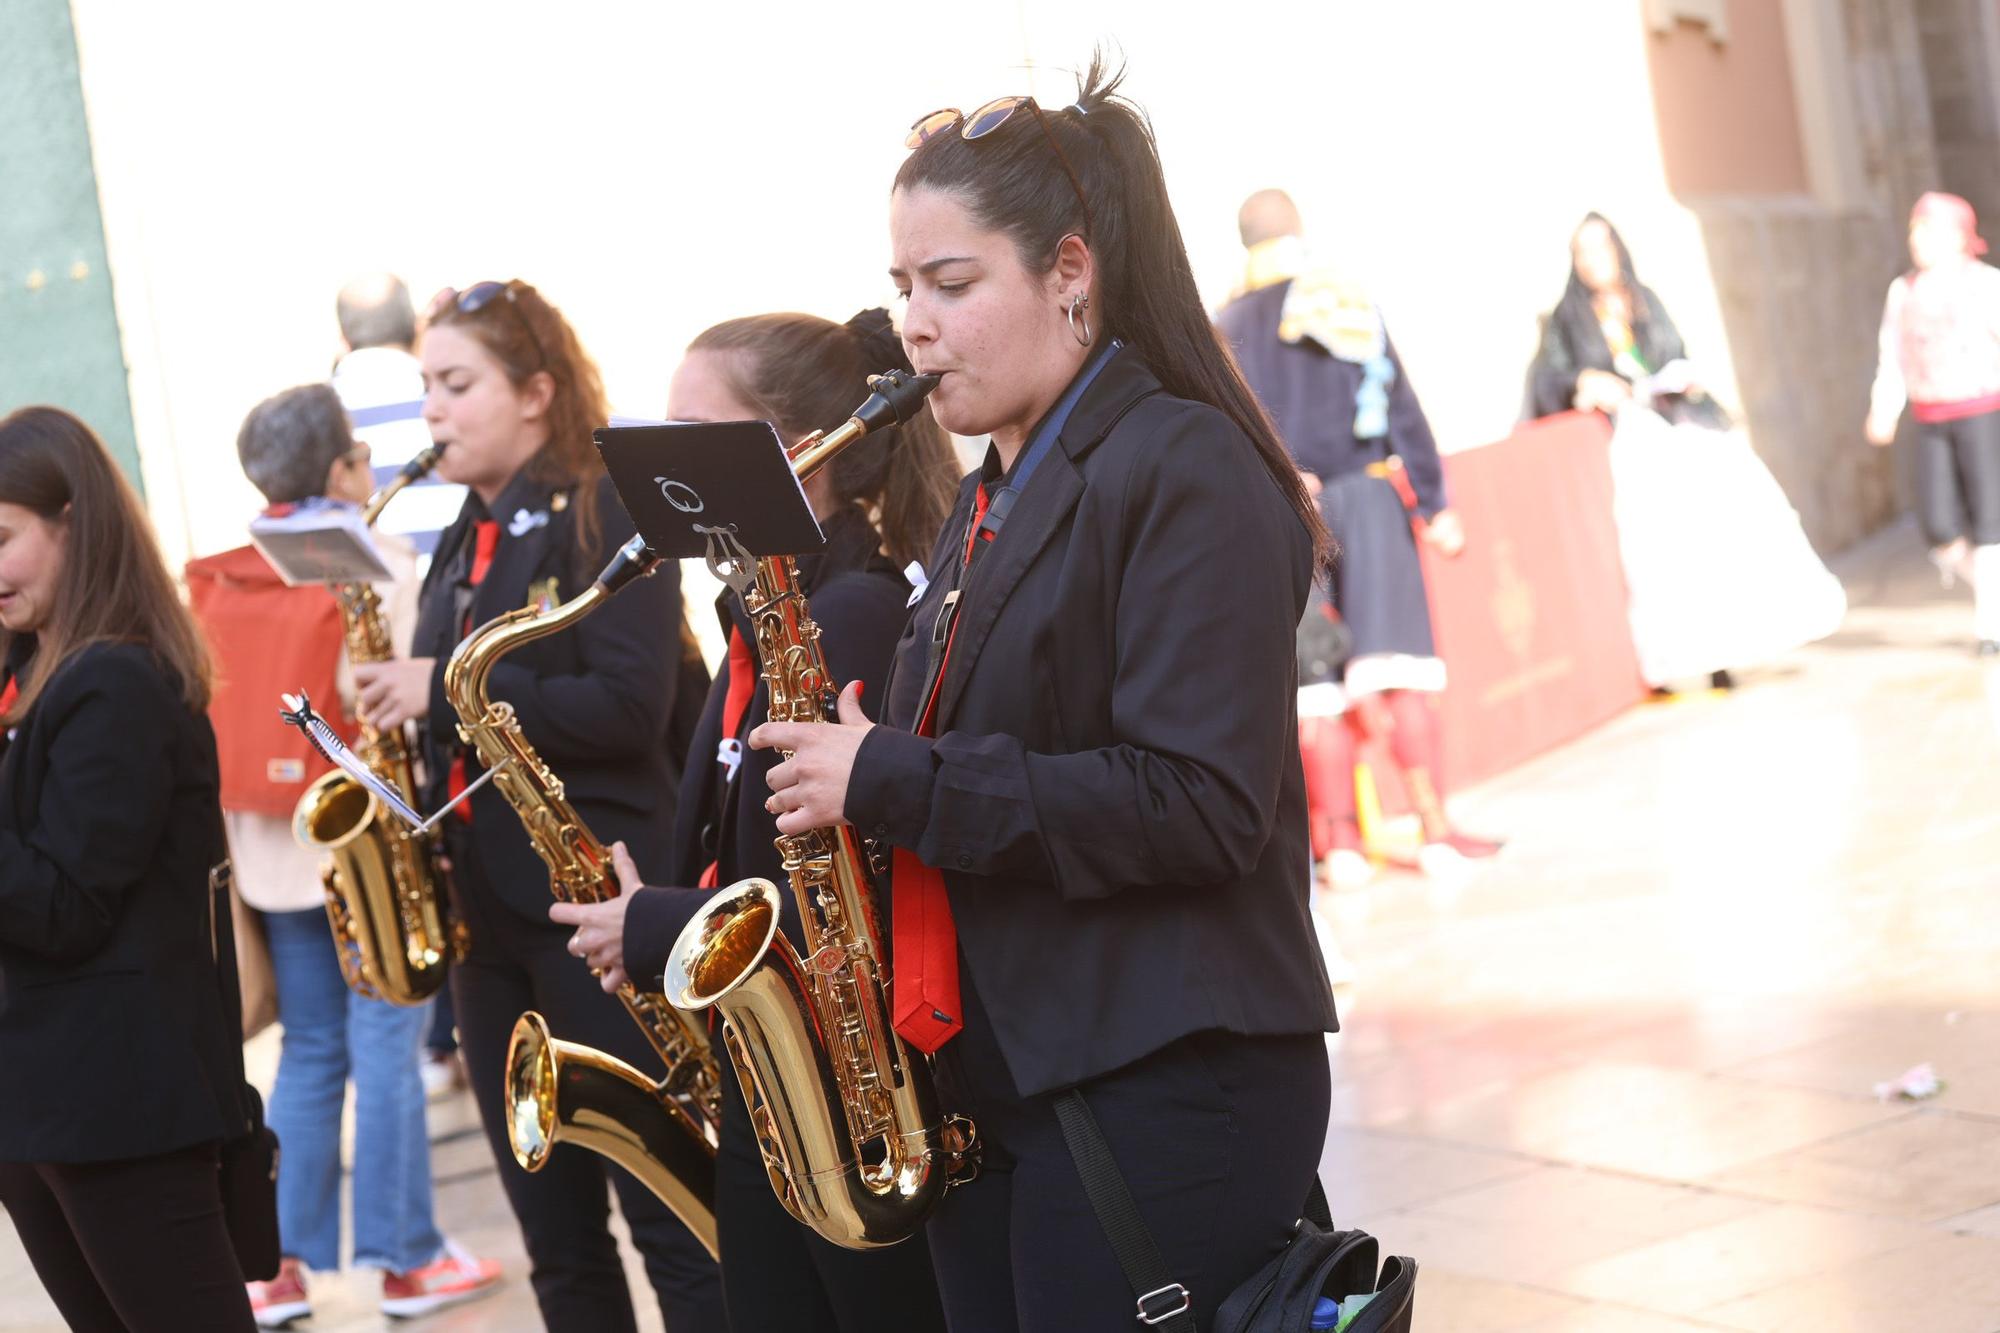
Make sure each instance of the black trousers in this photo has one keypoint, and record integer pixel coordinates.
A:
(515, 965)
(779, 1274)
(1217, 1136)
(1958, 479)
(135, 1245)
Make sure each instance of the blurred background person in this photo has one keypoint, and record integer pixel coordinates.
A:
(123, 1072)
(1719, 574)
(1940, 354)
(1317, 354)
(880, 504)
(298, 450)
(381, 384)
(513, 396)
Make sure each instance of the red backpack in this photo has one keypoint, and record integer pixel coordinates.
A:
(268, 640)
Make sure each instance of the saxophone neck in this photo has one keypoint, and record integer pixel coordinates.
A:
(413, 471)
(472, 661)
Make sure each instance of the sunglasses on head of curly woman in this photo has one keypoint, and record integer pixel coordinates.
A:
(476, 298)
(988, 118)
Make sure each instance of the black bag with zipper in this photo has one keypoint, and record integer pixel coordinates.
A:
(249, 1159)
(1318, 1262)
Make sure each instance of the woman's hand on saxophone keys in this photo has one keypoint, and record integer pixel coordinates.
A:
(809, 790)
(600, 927)
(394, 692)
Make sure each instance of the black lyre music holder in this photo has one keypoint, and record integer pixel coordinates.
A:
(723, 490)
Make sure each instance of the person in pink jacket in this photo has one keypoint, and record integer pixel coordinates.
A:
(1940, 353)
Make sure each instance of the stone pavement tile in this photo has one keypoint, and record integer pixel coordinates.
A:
(1924, 1166)
(1373, 1173)
(1693, 1273)
(1597, 1317)
(1717, 1037)
(1450, 1302)
(1644, 1120)
(1962, 1046)
(1947, 1284)
(1984, 1222)
(1527, 1229)
(1624, 1208)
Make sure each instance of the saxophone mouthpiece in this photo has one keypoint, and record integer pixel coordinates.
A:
(899, 395)
(426, 459)
(634, 560)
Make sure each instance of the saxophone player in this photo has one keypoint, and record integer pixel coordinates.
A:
(297, 448)
(514, 397)
(880, 504)
(1088, 764)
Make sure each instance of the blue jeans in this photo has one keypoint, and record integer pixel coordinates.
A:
(331, 1035)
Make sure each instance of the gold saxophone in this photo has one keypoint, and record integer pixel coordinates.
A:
(846, 1115)
(663, 1131)
(385, 898)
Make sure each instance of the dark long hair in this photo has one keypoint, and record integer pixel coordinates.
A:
(1011, 181)
(526, 334)
(1576, 316)
(803, 373)
(113, 586)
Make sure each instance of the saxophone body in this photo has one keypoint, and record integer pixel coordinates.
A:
(846, 1114)
(385, 897)
(663, 1131)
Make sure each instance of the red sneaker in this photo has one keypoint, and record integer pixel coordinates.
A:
(452, 1277)
(275, 1304)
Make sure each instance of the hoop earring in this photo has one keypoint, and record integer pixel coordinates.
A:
(1079, 303)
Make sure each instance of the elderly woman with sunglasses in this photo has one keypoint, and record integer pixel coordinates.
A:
(1087, 777)
(513, 397)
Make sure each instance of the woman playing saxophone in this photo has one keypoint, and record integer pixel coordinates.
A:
(514, 397)
(880, 503)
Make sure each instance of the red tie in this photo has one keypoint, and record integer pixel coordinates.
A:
(486, 537)
(742, 684)
(924, 992)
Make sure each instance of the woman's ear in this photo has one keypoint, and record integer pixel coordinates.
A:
(536, 395)
(1076, 268)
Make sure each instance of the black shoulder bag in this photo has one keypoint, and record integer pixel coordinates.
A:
(1318, 1262)
(250, 1158)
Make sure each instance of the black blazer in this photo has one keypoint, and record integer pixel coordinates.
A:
(112, 1036)
(860, 602)
(1115, 795)
(596, 701)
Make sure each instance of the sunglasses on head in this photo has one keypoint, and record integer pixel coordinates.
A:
(480, 295)
(988, 118)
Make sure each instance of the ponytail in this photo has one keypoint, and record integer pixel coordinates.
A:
(1012, 182)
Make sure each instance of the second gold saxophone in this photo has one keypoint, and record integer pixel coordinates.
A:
(845, 1113)
(384, 895)
(663, 1131)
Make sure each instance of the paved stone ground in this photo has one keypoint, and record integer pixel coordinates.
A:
(1621, 1079)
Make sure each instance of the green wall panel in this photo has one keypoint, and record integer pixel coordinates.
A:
(58, 329)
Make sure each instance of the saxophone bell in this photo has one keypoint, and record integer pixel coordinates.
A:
(563, 1092)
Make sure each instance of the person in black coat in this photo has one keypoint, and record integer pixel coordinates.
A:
(513, 398)
(800, 373)
(1088, 760)
(121, 1068)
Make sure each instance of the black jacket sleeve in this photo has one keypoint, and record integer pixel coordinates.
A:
(859, 616)
(104, 802)
(1211, 587)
